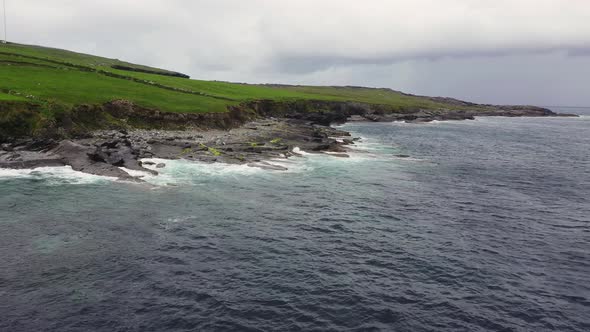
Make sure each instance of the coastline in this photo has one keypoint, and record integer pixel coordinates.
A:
(254, 143)
(105, 153)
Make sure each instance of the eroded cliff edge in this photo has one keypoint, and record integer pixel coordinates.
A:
(103, 139)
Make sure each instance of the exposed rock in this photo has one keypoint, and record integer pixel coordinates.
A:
(77, 156)
(356, 118)
(280, 127)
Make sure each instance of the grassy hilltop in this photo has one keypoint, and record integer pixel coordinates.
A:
(42, 87)
(41, 74)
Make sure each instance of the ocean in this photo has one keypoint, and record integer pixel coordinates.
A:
(477, 225)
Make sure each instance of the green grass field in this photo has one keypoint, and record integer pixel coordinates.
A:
(46, 75)
(7, 97)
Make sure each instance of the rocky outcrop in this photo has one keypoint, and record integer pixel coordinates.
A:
(329, 112)
(251, 133)
(101, 156)
(94, 156)
(316, 111)
(109, 153)
(145, 118)
(25, 120)
(81, 158)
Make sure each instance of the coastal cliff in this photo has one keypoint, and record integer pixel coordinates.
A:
(99, 115)
(102, 139)
(25, 120)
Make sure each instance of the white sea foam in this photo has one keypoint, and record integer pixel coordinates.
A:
(181, 172)
(136, 173)
(366, 146)
(184, 171)
(294, 165)
(334, 153)
(337, 139)
(314, 161)
(297, 150)
(54, 175)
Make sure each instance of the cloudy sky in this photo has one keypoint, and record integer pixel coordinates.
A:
(500, 51)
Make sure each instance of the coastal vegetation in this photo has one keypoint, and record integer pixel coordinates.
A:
(42, 74)
(58, 93)
(97, 114)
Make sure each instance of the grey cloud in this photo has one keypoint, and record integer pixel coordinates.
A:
(306, 64)
(579, 51)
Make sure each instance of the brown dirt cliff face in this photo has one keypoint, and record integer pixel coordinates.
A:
(26, 120)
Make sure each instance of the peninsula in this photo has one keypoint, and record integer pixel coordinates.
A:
(102, 115)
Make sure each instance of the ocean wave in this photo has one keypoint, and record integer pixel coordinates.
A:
(294, 165)
(373, 149)
(54, 175)
(411, 159)
(313, 159)
(184, 171)
(136, 173)
(298, 151)
(308, 162)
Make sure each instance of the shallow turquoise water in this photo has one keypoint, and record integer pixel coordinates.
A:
(484, 228)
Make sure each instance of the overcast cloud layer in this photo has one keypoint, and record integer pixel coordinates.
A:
(501, 51)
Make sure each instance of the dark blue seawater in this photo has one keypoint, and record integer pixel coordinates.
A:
(486, 227)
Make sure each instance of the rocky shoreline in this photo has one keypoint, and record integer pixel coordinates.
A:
(254, 143)
(108, 153)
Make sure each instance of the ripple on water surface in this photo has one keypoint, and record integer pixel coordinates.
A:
(484, 227)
